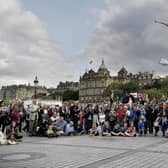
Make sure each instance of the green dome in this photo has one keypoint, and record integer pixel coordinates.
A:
(102, 66)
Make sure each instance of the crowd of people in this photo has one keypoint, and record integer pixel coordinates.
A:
(110, 118)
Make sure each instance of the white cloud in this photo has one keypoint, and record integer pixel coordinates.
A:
(163, 61)
(19, 23)
(26, 49)
(127, 35)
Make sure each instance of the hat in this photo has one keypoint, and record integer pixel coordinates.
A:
(142, 118)
(126, 107)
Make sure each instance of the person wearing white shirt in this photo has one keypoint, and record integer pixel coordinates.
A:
(3, 139)
(33, 114)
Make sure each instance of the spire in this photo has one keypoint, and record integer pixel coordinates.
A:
(36, 81)
(103, 61)
(102, 66)
(123, 69)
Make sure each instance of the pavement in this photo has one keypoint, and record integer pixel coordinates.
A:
(86, 152)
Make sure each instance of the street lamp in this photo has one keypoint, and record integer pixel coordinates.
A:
(35, 87)
(112, 97)
(112, 94)
(163, 61)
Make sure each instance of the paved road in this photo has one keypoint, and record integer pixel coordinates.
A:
(86, 152)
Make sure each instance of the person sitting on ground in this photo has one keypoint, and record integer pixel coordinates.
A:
(13, 130)
(51, 132)
(106, 129)
(3, 140)
(42, 128)
(93, 131)
(60, 125)
(131, 131)
(117, 131)
(12, 140)
(125, 127)
(79, 129)
(69, 130)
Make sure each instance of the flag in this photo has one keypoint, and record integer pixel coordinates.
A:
(90, 62)
(163, 23)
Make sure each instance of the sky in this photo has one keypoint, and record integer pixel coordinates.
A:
(56, 39)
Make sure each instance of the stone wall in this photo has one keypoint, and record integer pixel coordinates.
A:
(20, 91)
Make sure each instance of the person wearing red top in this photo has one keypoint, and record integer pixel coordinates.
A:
(81, 117)
(121, 115)
(15, 116)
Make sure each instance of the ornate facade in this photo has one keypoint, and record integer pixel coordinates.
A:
(141, 78)
(63, 86)
(92, 84)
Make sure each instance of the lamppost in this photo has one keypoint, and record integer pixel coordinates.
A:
(112, 97)
(112, 94)
(35, 87)
(163, 61)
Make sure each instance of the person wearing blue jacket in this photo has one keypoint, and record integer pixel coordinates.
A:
(141, 127)
(164, 126)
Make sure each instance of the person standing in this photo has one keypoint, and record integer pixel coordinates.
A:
(33, 116)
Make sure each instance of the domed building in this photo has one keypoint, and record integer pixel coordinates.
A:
(92, 84)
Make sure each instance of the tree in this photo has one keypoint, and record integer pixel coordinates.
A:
(130, 87)
(154, 93)
(70, 95)
(116, 87)
(120, 89)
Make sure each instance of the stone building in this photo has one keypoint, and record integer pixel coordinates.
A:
(63, 86)
(22, 92)
(92, 84)
(141, 78)
(122, 75)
